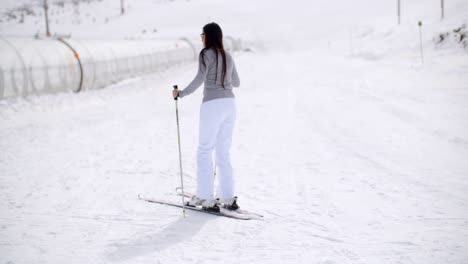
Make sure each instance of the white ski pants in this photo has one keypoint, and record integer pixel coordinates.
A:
(217, 118)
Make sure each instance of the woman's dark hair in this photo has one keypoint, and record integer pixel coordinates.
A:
(214, 39)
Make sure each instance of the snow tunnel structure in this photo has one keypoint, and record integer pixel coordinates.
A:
(40, 66)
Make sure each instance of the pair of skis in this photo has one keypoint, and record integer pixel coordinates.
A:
(236, 214)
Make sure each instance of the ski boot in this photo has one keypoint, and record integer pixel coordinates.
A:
(207, 205)
(230, 204)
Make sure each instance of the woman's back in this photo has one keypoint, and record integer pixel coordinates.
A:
(210, 71)
(214, 75)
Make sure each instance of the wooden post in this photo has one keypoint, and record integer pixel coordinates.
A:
(420, 41)
(399, 11)
(46, 8)
(442, 9)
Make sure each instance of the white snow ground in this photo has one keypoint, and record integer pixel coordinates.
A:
(353, 150)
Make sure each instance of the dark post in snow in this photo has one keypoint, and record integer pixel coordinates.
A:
(442, 9)
(122, 9)
(46, 7)
(420, 41)
(399, 9)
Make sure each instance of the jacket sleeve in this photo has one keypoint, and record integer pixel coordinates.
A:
(199, 78)
(235, 76)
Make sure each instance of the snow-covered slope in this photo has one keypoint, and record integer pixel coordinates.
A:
(351, 158)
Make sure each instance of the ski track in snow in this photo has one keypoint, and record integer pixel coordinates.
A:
(346, 166)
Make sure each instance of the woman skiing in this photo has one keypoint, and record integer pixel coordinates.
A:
(217, 70)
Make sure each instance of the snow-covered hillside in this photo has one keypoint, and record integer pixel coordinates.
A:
(353, 149)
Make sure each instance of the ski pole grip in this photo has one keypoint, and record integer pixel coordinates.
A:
(175, 88)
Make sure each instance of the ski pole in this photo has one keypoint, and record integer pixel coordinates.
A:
(180, 154)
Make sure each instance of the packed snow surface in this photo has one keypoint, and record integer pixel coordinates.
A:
(353, 149)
